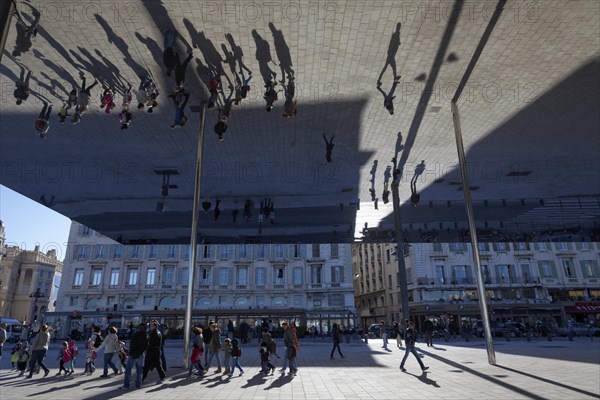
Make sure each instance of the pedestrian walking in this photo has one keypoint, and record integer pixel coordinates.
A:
(125, 118)
(137, 348)
(328, 147)
(215, 348)
(61, 357)
(207, 337)
(428, 329)
(180, 70)
(83, 97)
(42, 123)
(196, 355)
(24, 357)
(335, 336)
(227, 356)
(170, 57)
(290, 341)
(152, 359)
(397, 333)
(270, 95)
(111, 346)
(22, 86)
(39, 349)
(90, 356)
(383, 334)
(265, 356)
(236, 353)
(289, 107)
(180, 118)
(107, 100)
(220, 129)
(63, 113)
(410, 340)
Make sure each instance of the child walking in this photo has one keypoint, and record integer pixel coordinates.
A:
(196, 361)
(61, 358)
(73, 352)
(265, 362)
(90, 357)
(236, 352)
(15, 355)
(24, 356)
(227, 356)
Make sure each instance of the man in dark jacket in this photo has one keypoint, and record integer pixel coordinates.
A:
(153, 353)
(207, 337)
(428, 328)
(410, 340)
(137, 348)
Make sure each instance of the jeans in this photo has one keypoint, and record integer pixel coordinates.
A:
(285, 360)
(210, 357)
(227, 363)
(288, 355)
(139, 364)
(336, 345)
(411, 349)
(235, 362)
(108, 361)
(37, 357)
(385, 340)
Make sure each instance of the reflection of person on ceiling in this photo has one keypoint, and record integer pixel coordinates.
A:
(388, 98)
(415, 197)
(329, 147)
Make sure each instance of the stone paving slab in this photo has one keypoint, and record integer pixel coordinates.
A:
(525, 370)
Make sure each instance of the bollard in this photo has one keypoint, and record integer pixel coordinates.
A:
(570, 336)
(549, 337)
(529, 336)
(347, 338)
(366, 338)
(507, 334)
(446, 336)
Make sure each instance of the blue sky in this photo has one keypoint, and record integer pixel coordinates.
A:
(27, 223)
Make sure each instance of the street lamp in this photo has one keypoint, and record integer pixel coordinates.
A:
(35, 295)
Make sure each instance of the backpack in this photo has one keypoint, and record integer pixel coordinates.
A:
(98, 341)
(239, 352)
(75, 351)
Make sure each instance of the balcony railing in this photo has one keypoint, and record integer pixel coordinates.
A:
(167, 286)
(203, 287)
(93, 286)
(241, 287)
(279, 286)
(130, 286)
(316, 286)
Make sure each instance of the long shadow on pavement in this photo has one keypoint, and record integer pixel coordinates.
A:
(549, 381)
(516, 389)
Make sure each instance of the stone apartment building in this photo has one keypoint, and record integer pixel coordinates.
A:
(107, 282)
(551, 282)
(29, 281)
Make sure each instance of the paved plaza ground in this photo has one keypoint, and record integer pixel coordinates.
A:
(458, 370)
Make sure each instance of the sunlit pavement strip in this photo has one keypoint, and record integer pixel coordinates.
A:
(458, 370)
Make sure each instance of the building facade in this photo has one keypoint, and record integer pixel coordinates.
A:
(29, 281)
(548, 282)
(106, 282)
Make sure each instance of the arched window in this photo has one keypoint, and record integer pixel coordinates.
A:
(166, 303)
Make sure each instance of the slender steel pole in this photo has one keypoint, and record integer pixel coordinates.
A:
(473, 233)
(400, 247)
(193, 240)
(8, 9)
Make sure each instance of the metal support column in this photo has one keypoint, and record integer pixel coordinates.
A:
(473, 233)
(187, 332)
(400, 246)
